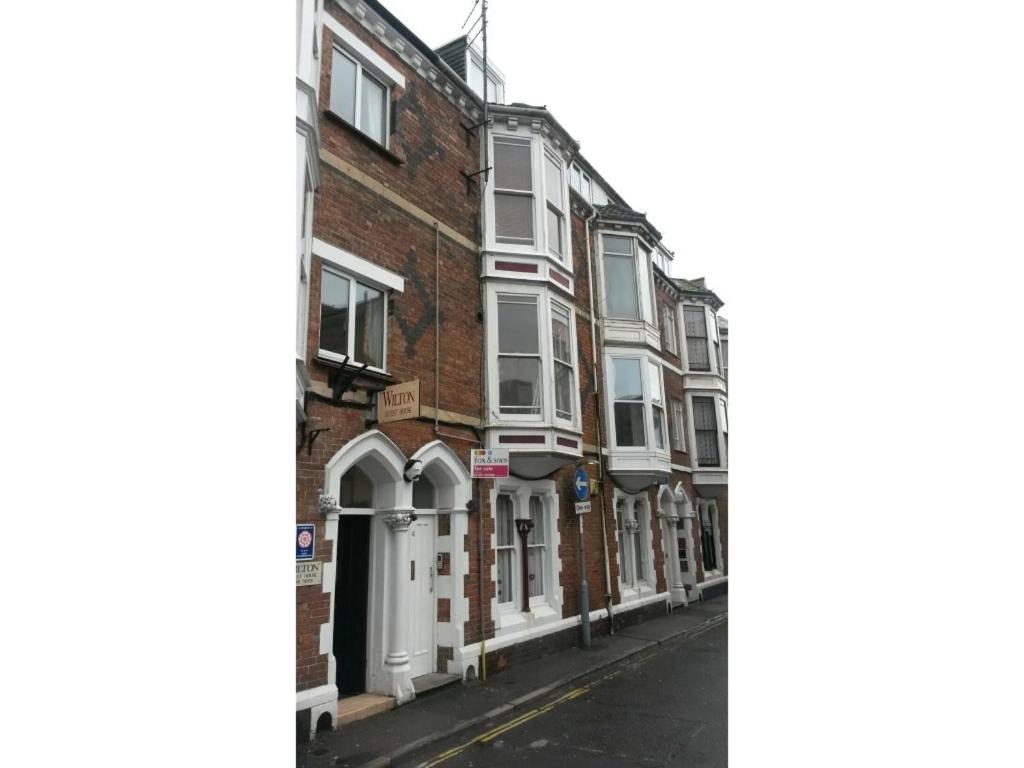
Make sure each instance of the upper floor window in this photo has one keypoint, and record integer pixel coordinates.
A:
(678, 425)
(580, 181)
(519, 363)
(620, 277)
(352, 319)
(528, 197)
(495, 84)
(532, 362)
(696, 338)
(628, 403)
(637, 392)
(555, 205)
(561, 354)
(657, 405)
(668, 329)
(725, 358)
(358, 97)
(705, 426)
(513, 190)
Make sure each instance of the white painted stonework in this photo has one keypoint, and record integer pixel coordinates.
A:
(388, 668)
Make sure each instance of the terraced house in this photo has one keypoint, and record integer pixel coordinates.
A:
(467, 279)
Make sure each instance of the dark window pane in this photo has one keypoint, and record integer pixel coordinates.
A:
(629, 424)
(504, 532)
(356, 489)
(697, 351)
(519, 384)
(695, 322)
(343, 86)
(334, 292)
(659, 430)
(423, 494)
(563, 391)
(369, 326)
(517, 325)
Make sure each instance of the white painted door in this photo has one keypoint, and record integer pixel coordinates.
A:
(423, 602)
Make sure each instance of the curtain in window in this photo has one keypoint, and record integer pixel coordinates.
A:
(707, 431)
(369, 326)
(535, 548)
(505, 547)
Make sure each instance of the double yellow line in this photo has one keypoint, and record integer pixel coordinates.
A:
(487, 736)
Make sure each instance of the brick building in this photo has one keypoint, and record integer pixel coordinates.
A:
(488, 266)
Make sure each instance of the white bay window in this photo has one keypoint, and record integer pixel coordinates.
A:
(527, 203)
(532, 370)
(638, 405)
(519, 362)
(621, 301)
(513, 190)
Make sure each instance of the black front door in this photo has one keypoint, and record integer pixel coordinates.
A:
(350, 591)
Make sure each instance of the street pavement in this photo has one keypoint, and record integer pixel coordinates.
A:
(664, 707)
(455, 714)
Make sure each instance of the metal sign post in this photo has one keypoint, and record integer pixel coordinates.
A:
(581, 485)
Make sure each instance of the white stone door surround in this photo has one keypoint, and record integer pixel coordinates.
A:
(388, 665)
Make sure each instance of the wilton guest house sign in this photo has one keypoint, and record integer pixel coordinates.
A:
(400, 401)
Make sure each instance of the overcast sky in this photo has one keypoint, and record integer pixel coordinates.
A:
(630, 82)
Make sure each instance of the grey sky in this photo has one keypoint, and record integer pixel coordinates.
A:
(636, 84)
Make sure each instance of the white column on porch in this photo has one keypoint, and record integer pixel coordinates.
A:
(397, 659)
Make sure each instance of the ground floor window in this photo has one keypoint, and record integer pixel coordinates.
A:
(633, 534)
(538, 504)
(708, 536)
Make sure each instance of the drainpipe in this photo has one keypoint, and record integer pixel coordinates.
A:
(600, 432)
(483, 348)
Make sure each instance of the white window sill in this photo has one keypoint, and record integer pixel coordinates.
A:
(511, 619)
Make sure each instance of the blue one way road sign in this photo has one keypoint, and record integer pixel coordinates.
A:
(581, 484)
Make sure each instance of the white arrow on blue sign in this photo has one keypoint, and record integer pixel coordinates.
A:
(581, 484)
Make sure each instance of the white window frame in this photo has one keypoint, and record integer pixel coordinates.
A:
(710, 508)
(540, 149)
(546, 607)
(678, 424)
(695, 461)
(647, 363)
(361, 72)
(574, 405)
(707, 341)
(496, 79)
(668, 323)
(642, 273)
(521, 299)
(560, 213)
(356, 270)
(548, 416)
(638, 510)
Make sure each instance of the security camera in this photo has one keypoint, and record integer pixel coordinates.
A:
(413, 470)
